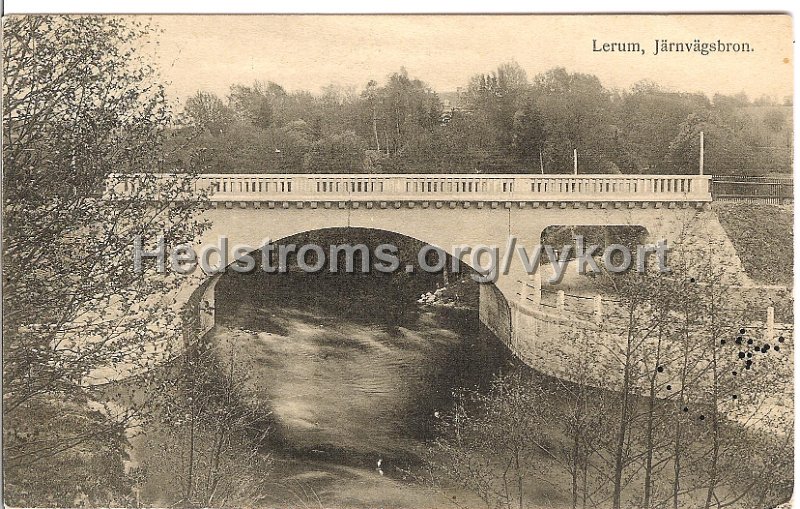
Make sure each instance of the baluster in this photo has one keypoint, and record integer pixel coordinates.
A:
(598, 309)
(769, 328)
(536, 279)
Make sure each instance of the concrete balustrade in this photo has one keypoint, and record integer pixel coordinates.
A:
(450, 187)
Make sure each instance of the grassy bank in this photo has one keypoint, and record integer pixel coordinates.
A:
(763, 237)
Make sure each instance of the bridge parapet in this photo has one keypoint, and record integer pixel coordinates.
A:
(558, 340)
(448, 187)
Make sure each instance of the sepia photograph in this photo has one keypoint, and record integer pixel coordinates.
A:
(394, 261)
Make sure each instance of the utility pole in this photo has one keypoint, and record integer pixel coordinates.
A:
(375, 127)
(702, 152)
(541, 162)
(372, 96)
(575, 160)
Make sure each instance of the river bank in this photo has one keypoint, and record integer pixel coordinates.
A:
(340, 391)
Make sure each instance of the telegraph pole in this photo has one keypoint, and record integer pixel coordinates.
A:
(702, 152)
(575, 159)
(541, 162)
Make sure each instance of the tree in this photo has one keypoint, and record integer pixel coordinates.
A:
(406, 104)
(700, 398)
(371, 95)
(655, 406)
(342, 153)
(497, 98)
(582, 417)
(257, 103)
(491, 441)
(209, 113)
(79, 107)
(576, 110)
(528, 135)
(650, 118)
(775, 119)
(211, 434)
(731, 101)
(728, 145)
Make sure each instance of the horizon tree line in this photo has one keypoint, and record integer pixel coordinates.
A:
(503, 122)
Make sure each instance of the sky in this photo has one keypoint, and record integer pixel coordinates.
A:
(308, 52)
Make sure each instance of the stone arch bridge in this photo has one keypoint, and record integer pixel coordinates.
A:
(462, 209)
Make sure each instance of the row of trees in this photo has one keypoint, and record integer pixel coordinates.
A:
(686, 425)
(499, 122)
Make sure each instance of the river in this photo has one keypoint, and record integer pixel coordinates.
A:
(355, 372)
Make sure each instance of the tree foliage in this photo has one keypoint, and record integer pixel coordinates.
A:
(79, 107)
(504, 122)
(209, 113)
(692, 388)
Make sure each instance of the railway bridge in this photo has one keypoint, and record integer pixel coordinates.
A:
(453, 210)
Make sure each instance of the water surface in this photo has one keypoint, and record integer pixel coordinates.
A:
(355, 372)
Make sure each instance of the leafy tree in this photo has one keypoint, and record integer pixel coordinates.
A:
(463, 145)
(209, 113)
(79, 107)
(650, 118)
(246, 148)
(257, 103)
(340, 109)
(406, 103)
(576, 110)
(775, 119)
(370, 94)
(342, 153)
(497, 97)
(528, 136)
(731, 101)
(504, 124)
(727, 147)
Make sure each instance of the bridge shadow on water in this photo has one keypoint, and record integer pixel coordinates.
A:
(354, 370)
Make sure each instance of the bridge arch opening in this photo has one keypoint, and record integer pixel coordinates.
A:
(353, 364)
(603, 236)
(371, 294)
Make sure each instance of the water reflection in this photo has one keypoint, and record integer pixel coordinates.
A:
(352, 367)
